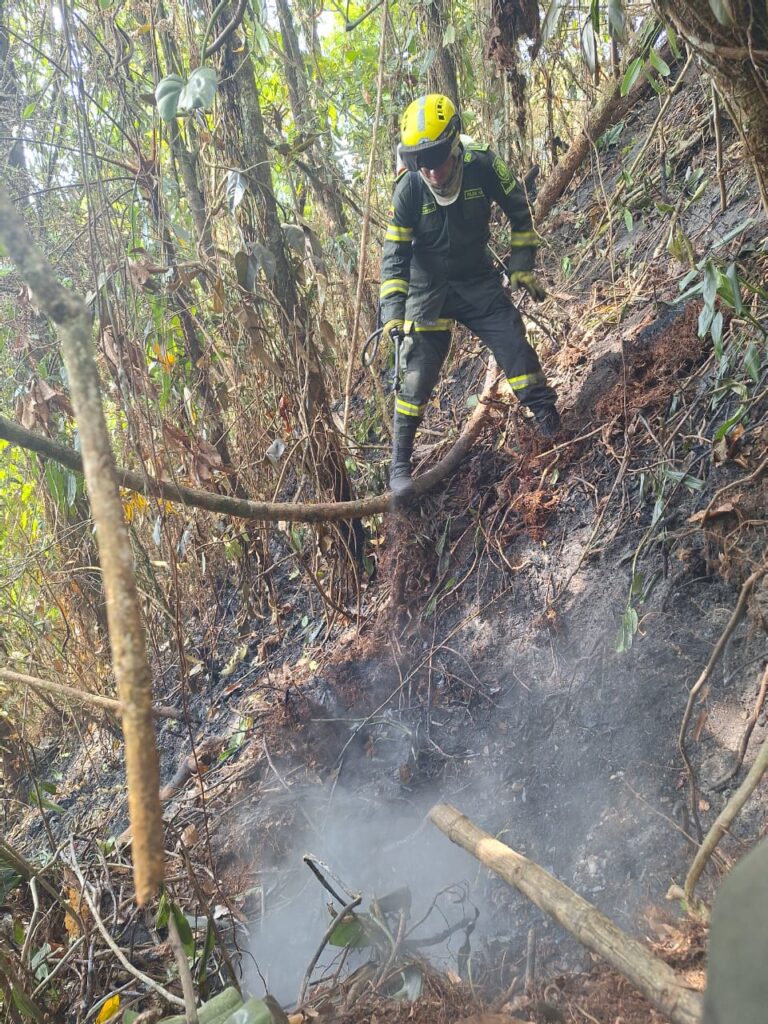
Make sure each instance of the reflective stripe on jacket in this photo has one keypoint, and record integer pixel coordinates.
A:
(429, 249)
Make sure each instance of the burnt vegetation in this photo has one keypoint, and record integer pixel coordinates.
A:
(563, 638)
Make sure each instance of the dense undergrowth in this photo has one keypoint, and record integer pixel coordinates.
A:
(522, 643)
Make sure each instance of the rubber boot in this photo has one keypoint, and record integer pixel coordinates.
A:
(547, 420)
(400, 479)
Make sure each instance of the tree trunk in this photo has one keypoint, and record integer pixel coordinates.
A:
(441, 76)
(129, 659)
(324, 180)
(736, 56)
(247, 147)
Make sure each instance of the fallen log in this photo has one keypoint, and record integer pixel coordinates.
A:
(661, 986)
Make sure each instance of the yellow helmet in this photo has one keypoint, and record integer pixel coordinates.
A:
(429, 129)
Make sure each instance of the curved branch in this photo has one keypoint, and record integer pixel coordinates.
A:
(725, 818)
(221, 38)
(242, 508)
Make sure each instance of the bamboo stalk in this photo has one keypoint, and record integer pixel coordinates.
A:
(661, 986)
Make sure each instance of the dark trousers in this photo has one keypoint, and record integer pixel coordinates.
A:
(499, 326)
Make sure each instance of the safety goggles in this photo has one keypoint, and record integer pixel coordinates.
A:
(432, 156)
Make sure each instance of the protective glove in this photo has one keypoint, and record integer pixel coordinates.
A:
(528, 280)
(394, 326)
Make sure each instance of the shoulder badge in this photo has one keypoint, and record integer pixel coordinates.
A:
(474, 147)
(504, 175)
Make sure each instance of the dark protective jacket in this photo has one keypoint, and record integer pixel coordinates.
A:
(430, 249)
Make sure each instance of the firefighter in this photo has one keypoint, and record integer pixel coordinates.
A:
(437, 268)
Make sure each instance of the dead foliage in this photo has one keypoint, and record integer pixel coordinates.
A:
(653, 369)
(445, 999)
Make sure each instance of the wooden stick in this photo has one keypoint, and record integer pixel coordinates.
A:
(130, 665)
(185, 975)
(658, 983)
(725, 818)
(61, 690)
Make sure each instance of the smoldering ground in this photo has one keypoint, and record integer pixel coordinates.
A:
(362, 846)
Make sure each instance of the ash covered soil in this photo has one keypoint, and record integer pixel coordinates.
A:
(526, 648)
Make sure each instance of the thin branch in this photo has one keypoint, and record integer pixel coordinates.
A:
(714, 657)
(226, 32)
(372, 157)
(725, 818)
(126, 963)
(323, 943)
(95, 699)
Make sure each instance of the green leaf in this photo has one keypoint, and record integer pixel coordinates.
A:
(594, 16)
(725, 428)
(209, 945)
(254, 1011)
(552, 20)
(691, 482)
(412, 984)
(628, 221)
(627, 630)
(589, 46)
(706, 316)
(182, 927)
(752, 362)
(262, 258)
(28, 111)
(673, 43)
(617, 20)
(449, 36)
(9, 881)
(245, 269)
(631, 75)
(200, 91)
(709, 292)
(42, 801)
(659, 64)
(237, 183)
(351, 933)
(25, 1006)
(716, 330)
(71, 488)
(722, 11)
(733, 279)
(163, 911)
(167, 92)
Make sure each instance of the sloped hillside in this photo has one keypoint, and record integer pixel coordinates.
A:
(526, 647)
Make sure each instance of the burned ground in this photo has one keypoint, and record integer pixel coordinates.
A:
(526, 648)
